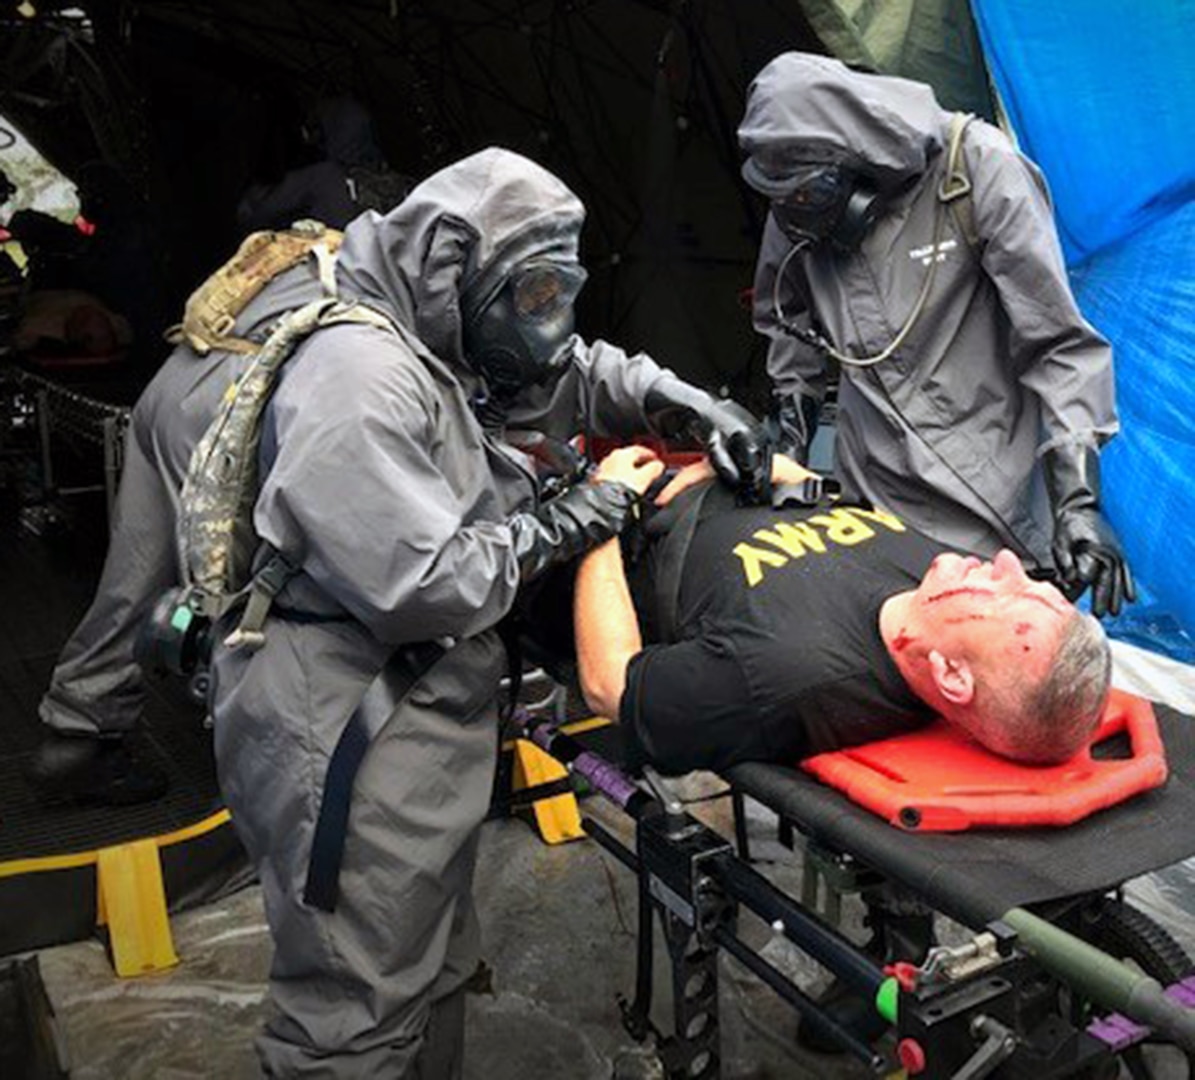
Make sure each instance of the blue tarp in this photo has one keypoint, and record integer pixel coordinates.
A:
(1101, 94)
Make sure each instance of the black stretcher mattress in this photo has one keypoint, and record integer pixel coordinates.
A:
(977, 876)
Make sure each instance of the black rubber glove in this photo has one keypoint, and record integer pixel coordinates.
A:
(794, 423)
(1086, 550)
(738, 445)
(586, 515)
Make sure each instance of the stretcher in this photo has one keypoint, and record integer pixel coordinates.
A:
(1057, 978)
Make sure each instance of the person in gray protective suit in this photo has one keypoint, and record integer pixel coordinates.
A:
(97, 690)
(916, 252)
(93, 705)
(413, 525)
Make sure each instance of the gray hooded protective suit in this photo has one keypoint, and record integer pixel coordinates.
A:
(998, 368)
(379, 481)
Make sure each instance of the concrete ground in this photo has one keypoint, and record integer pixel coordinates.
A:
(558, 924)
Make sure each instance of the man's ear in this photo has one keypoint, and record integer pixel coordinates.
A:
(953, 678)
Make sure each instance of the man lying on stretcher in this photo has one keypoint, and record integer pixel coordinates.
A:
(777, 632)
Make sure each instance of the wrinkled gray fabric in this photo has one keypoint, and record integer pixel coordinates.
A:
(380, 482)
(97, 686)
(1000, 366)
(602, 390)
(352, 990)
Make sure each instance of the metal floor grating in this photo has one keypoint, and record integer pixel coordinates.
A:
(45, 586)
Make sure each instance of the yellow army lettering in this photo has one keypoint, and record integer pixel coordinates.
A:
(791, 540)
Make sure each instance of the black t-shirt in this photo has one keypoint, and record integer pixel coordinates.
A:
(774, 650)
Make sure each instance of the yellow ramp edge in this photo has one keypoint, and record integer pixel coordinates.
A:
(131, 898)
(557, 818)
(132, 902)
(72, 860)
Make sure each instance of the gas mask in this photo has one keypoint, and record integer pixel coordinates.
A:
(520, 336)
(826, 202)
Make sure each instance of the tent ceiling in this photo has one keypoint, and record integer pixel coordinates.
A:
(633, 103)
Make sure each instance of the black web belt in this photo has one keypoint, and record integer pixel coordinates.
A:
(398, 675)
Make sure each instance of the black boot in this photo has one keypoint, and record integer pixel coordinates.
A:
(900, 931)
(84, 770)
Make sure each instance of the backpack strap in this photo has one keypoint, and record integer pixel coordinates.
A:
(325, 261)
(277, 569)
(954, 190)
(670, 572)
(384, 695)
(264, 586)
(220, 489)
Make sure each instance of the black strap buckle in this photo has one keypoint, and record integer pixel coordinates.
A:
(807, 492)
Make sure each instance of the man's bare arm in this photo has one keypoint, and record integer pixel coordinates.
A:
(607, 631)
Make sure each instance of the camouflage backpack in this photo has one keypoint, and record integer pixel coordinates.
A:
(212, 309)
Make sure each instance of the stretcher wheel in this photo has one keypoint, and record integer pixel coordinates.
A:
(1127, 933)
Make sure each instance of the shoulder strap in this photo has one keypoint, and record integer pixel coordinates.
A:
(217, 543)
(955, 188)
(671, 570)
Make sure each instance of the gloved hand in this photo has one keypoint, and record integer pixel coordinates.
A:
(738, 444)
(794, 423)
(586, 515)
(1086, 550)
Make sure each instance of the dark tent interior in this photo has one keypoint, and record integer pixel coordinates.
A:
(634, 103)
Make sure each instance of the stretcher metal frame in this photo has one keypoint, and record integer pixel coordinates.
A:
(1011, 1002)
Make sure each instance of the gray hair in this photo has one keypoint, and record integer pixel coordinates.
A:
(1055, 718)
